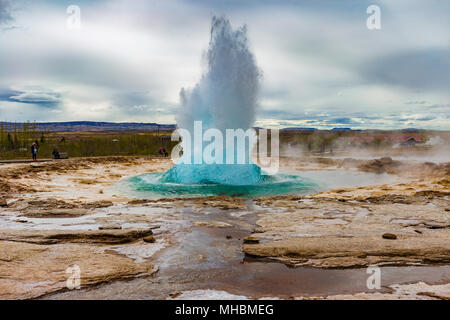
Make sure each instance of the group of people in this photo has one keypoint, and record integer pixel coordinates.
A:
(163, 152)
(56, 155)
(35, 148)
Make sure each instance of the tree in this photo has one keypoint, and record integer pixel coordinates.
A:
(10, 141)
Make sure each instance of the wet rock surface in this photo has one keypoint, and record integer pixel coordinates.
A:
(413, 291)
(103, 236)
(29, 270)
(322, 231)
(54, 213)
(336, 252)
(47, 227)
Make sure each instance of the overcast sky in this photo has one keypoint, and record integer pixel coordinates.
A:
(322, 67)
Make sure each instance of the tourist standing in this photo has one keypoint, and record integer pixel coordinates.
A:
(34, 151)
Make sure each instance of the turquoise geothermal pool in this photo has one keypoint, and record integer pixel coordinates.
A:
(155, 185)
(158, 185)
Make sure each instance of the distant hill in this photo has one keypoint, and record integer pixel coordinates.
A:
(298, 129)
(77, 126)
(93, 126)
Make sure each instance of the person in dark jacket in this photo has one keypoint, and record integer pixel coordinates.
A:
(34, 151)
(55, 154)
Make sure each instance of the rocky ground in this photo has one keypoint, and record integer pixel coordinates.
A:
(399, 224)
(55, 215)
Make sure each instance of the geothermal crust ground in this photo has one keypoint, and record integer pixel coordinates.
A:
(54, 215)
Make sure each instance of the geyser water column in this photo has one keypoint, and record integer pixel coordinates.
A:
(224, 98)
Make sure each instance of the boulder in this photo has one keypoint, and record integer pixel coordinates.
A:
(149, 239)
(110, 226)
(389, 236)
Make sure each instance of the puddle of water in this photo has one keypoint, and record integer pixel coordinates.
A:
(139, 251)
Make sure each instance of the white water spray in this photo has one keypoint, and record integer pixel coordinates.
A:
(225, 98)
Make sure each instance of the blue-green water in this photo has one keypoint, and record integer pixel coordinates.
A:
(159, 184)
(210, 174)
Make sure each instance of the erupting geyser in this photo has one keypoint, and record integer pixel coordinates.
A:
(225, 98)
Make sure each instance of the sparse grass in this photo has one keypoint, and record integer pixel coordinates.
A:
(17, 144)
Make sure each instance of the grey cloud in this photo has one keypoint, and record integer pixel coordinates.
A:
(312, 118)
(342, 121)
(141, 103)
(308, 51)
(419, 70)
(280, 114)
(439, 106)
(41, 98)
(132, 98)
(353, 120)
(79, 67)
(5, 94)
(427, 118)
(416, 102)
(5, 11)
(35, 97)
(345, 7)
